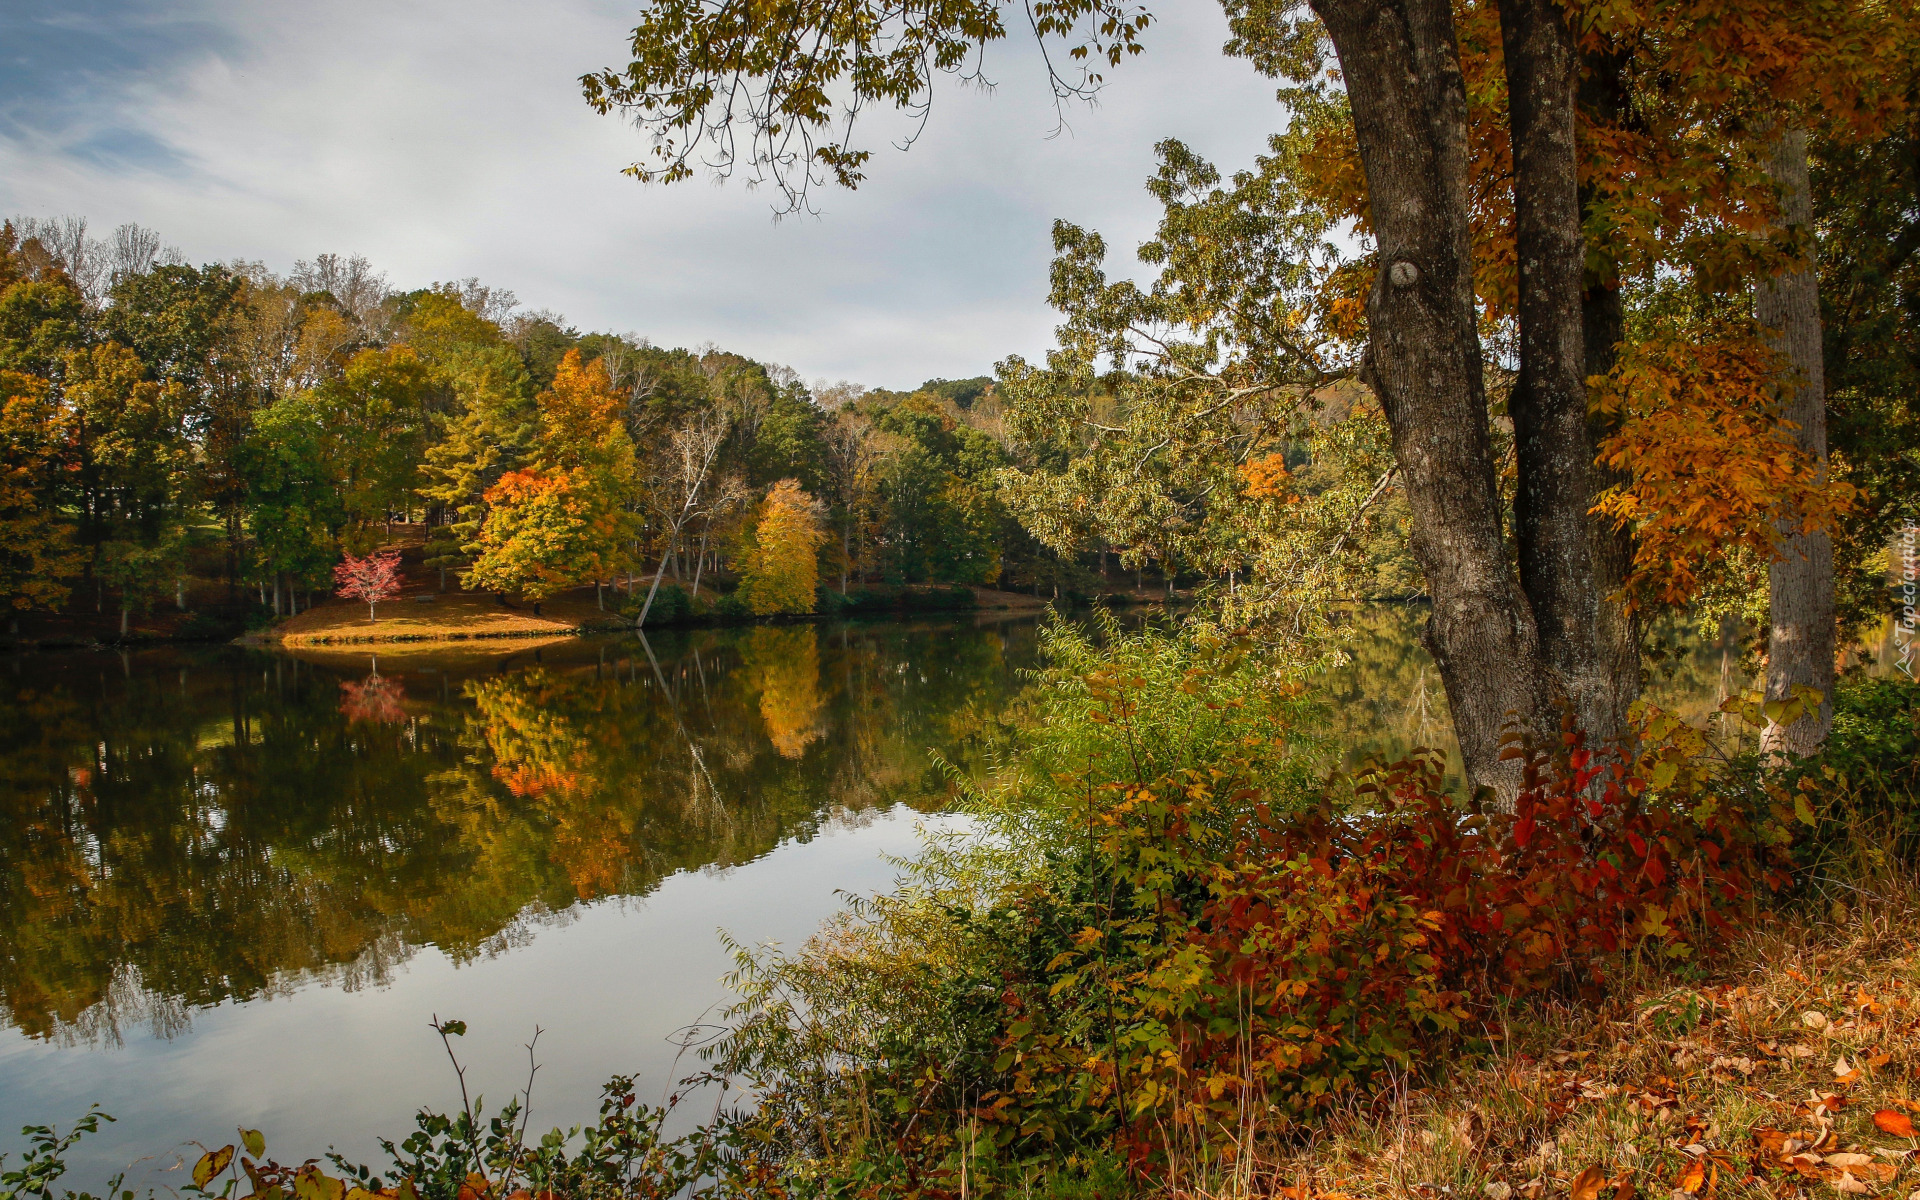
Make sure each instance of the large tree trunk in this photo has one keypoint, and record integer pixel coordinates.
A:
(1578, 618)
(1603, 96)
(1402, 69)
(1800, 646)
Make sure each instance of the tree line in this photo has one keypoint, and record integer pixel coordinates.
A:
(160, 418)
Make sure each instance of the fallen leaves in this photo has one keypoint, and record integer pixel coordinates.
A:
(1898, 1124)
(1693, 1178)
(1586, 1186)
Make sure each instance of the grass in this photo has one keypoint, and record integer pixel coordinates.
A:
(1761, 1080)
(429, 616)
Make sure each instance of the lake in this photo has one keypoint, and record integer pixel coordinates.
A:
(236, 886)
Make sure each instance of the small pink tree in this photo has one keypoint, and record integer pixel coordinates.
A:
(373, 578)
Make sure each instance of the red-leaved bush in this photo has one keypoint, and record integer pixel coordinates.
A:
(1265, 963)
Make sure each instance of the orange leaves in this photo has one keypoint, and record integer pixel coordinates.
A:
(1898, 1124)
(580, 410)
(1268, 479)
(1709, 468)
(1586, 1185)
(545, 531)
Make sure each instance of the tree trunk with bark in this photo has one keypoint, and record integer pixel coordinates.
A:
(1402, 70)
(1603, 96)
(1581, 624)
(1800, 644)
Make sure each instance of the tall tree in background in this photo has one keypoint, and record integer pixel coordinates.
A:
(782, 573)
(36, 546)
(1800, 581)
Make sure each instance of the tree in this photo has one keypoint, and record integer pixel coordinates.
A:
(371, 579)
(782, 571)
(850, 458)
(545, 532)
(138, 571)
(36, 546)
(372, 423)
(1449, 183)
(295, 504)
(1800, 584)
(678, 475)
(492, 431)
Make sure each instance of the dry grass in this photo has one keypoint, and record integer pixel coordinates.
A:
(454, 616)
(1761, 1080)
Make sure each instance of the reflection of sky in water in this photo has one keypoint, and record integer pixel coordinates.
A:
(327, 1066)
(234, 887)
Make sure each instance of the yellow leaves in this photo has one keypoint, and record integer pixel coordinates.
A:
(312, 1184)
(785, 664)
(1709, 468)
(782, 568)
(211, 1163)
(1653, 923)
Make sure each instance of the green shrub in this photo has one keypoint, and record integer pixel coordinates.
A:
(1859, 797)
(1169, 926)
(671, 605)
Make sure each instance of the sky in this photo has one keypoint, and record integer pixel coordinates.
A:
(447, 138)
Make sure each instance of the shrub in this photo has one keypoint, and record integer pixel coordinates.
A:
(671, 605)
(1166, 934)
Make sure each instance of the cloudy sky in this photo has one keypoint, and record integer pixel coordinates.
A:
(447, 138)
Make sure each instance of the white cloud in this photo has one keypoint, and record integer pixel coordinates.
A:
(445, 138)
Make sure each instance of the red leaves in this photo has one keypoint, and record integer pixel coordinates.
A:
(369, 580)
(1292, 956)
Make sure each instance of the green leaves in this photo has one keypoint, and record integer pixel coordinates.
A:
(777, 87)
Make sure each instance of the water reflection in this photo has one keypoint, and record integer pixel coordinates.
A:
(1388, 699)
(181, 829)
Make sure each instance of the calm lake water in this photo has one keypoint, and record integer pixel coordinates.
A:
(235, 886)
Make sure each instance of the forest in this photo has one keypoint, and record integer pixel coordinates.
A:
(211, 435)
(1562, 324)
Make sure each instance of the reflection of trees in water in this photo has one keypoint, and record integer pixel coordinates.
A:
(375, 699)
(215, 826)
(786, 664)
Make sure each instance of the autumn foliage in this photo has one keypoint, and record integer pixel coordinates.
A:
(782, 572)
(1706, 466)
(1262, 958)
(545, 532)
(369, 580)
